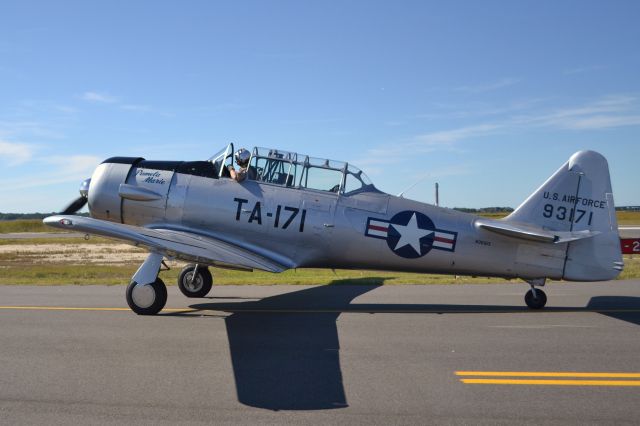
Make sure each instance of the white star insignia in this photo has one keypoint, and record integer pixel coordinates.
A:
(410, 234)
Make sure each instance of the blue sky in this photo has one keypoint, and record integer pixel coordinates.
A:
(486, 97)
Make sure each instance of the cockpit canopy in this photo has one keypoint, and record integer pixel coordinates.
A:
(289, 169)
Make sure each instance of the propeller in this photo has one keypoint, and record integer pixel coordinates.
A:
(81, 201)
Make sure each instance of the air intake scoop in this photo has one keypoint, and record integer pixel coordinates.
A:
(137, 193)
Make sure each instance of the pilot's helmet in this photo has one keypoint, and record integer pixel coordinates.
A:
(242, 157)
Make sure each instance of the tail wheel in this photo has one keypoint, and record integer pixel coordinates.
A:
(535, 302)
(148, 299)
(195, 286)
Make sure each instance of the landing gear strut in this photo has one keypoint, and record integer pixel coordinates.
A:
(195, 281)
(536, 298)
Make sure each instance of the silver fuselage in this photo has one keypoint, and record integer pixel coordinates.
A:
(308, 228)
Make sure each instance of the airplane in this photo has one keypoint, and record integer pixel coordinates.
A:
(297, 211)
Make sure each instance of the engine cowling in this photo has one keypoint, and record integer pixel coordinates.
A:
(132, 190)
(104, 199)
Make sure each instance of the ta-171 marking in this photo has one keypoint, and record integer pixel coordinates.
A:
(287, 213)
(301, 212)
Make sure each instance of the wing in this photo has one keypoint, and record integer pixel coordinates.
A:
(182, 244)
(532, 232)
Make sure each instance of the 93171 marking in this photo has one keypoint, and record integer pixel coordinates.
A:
(562, 213)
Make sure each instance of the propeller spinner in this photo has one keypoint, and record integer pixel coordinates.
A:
(81, 201)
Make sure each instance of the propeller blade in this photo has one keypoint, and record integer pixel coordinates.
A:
(76, 205)
(80, 202)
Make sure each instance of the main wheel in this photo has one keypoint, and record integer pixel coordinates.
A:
(198, 286)
(535, 302)
(147, 299)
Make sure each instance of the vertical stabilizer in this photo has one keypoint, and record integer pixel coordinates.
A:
(578, 197)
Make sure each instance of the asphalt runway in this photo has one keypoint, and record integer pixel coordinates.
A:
(450, 354)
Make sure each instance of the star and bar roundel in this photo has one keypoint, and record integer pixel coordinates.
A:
(411, 234)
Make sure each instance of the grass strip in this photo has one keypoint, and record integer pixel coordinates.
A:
(57, 241)
(58, 274)
(121, 274)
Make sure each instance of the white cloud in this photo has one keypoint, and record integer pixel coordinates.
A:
(29, 128)
(606, 112)
(117, 102)
(603, 122)
(470, 110)
(136, 108)
(99, 97)
(448, 137)
(220, 108)
(442, 172)
(15, 153)
(488, 87)
(56, 170)
(376, 158)
(421, 183)
(451, 170)
(75, 164)
(582, 70)
(610, 111)
(65, 109)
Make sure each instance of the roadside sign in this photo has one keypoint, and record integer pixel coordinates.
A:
(630, 245)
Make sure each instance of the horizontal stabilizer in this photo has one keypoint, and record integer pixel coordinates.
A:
(532, 232)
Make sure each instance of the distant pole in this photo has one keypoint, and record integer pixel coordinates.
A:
(437, 195)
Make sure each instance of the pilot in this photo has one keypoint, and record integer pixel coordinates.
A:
(245, 171)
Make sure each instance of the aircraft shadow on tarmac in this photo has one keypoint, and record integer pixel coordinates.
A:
(285, 348)
(291, 361)
(625, 308)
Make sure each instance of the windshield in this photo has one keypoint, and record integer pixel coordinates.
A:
(356, 181)
(221, 160)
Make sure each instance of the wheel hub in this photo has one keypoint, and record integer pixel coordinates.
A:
(143, 295)
(193, 284)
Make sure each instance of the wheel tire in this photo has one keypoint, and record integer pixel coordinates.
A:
(147, 299)
(537, 302)
(201, 284)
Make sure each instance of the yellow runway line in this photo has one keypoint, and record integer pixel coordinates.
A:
(70, 308)
(545, 374)
(353, 310)
(188, 310)
(628, 383)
